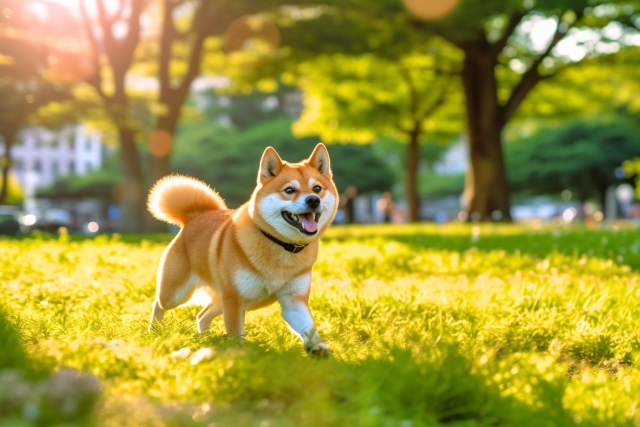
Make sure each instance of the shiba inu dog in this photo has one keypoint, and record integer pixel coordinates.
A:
(252, 256)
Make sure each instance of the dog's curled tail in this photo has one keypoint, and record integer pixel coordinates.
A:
(176, 199)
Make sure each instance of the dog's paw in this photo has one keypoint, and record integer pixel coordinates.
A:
(319, 350)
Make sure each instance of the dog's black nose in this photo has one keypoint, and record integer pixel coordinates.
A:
(312, 201)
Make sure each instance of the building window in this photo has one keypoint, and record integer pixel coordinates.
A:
(54, 170)
(37, 166)
(72, 167)
(16, 165)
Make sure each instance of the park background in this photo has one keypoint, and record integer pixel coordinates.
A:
(472, 112)
(510, 130)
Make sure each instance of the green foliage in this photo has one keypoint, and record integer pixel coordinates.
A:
(14, 190)
(12, 354)
(632, 170)
(95, 184)
(429, 325)
(98, 184)
(357, 99)
(228, 159)
(580, 156)
(434, 186)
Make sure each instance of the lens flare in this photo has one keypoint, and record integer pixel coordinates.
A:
(160, 143)
(569, 214)
(55, 29)
(430, 10)
(29, 220)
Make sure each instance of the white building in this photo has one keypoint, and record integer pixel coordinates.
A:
(41, 156)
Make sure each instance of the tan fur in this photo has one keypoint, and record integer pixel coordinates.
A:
(175, 199)
(225, 252)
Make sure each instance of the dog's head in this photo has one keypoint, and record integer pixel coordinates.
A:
(296, 201)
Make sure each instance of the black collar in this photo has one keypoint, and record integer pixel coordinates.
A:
(291, 247)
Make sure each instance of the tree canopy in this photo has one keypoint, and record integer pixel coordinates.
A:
(506, 49)
(580, 156)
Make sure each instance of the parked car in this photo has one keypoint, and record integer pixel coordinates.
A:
(9, 224)
(52, 220)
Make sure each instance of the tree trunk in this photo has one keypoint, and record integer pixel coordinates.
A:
(133, 200)
(413, 159)
(486, 195)
(160, 148)
(5, 163)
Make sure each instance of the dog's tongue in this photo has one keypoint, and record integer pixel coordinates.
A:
(308, 222)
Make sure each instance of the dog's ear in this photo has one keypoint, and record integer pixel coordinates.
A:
(320, 160)
(270, 165)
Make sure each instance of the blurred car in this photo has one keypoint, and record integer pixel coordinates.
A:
(9, 224)
(52, 220)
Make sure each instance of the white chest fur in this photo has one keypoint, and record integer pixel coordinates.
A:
(255, 288)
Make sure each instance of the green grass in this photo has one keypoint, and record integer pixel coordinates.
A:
(459, 326)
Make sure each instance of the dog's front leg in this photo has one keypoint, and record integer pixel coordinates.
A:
(294, 299)
(233, 313)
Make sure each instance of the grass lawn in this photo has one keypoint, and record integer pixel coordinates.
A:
(492, 326)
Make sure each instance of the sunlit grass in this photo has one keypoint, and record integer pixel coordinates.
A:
(497, 325)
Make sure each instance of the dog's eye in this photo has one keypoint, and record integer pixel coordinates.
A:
(317, 189)
(289, 190)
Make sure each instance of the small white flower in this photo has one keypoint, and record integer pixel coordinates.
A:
(202, 354)
(183, 353)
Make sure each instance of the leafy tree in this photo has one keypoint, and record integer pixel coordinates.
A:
(113, 54)
(174, 56)
(25, 85)
(502, 62)
(360, 98)
(182, 50)
(580, 156)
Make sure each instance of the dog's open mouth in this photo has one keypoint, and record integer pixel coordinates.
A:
(306, 223)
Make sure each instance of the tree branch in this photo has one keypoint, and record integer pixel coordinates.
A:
(413, 93)
(166, 42)
(95, 79)
(130, 42)
(118, 13)
(532, 76)
(201, 30)
(106, 27)
(514, 21)
(437, 104)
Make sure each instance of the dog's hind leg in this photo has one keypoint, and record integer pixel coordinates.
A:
(176, 282)
(172, 298)
(208, 313)
(156, 313)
